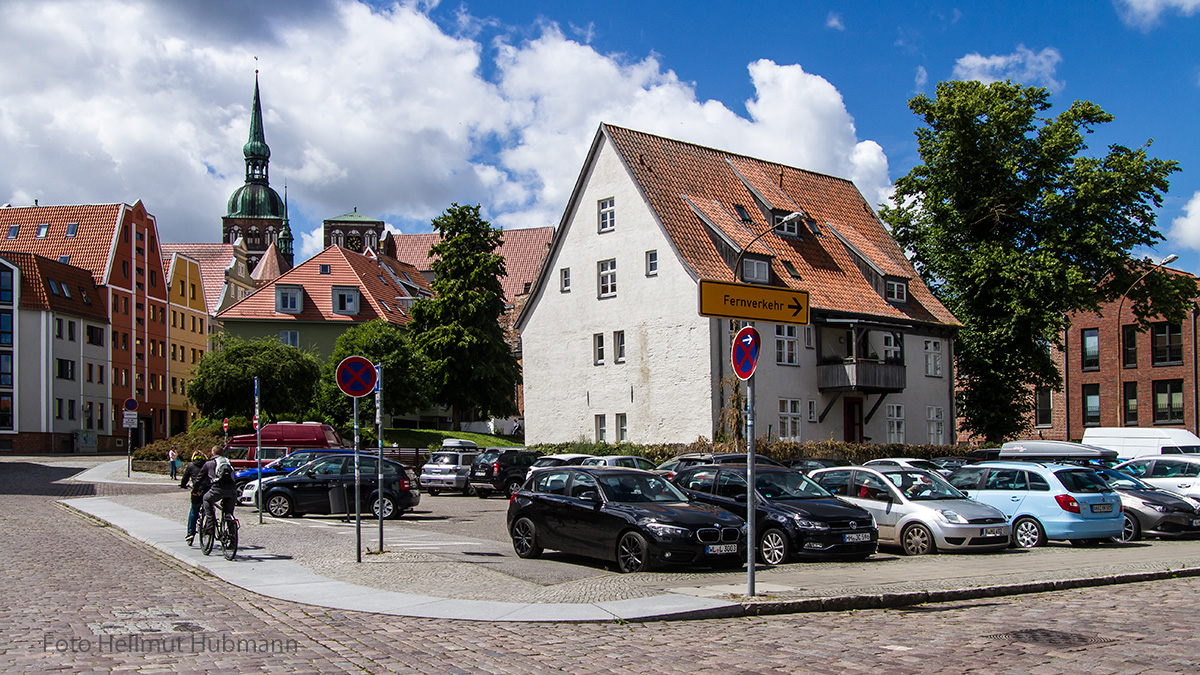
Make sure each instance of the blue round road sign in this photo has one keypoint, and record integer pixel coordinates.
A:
(356, 376)
(744, 353)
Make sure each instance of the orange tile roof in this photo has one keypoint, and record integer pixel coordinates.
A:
(43, 282)
(214, 261)
(90, 247)
(688, 184)
(270, 266)
(378, 290)
(523, 251)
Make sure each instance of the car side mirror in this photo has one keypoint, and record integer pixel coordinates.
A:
(590, 496)
(740, 497)
(310, 473)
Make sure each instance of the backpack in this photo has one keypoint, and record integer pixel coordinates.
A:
(224, 470)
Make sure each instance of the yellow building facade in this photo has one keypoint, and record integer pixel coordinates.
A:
(188, 323)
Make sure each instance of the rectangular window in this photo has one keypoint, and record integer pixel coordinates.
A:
(65, 369)
(933, 358)
(6, 286)
(95, 335)
(1130, 408)
(598, 349)
(601, 432)
(88, 415)
(290, 338)
(786, 226)
(1168, 402)
(13, 231)
(99, 415)
(91, 372)
(192, 294)
(787, 346)
(809, 339)
(789, 419)
(72, 228)
(891, 348)
(755, 271)
(71, 331)
(1090, 341)
(287, 299)
(608, 278)
(345, 301)
(1043, 412)
(607, 215)
(174, 385)
(935, 422)
(564, 280)
(1166, 341)
(897, 291)
(812, 411)
(622, 428)
(58, 408)
(619, 346)
(6, 378)
(6, 329)
(895, 423)
(70, 408)
(100, 374)
(42, 230)
(1129, 346)
(58, 329)
(1091, 405)
(651, 263)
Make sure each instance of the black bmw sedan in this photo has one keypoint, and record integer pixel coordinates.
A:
(633, 517)
(796, 517)
(326, 486)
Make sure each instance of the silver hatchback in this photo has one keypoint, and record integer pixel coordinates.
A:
(918, 510)
(448, 468)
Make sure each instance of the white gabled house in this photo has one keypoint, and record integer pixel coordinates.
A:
(614, 346)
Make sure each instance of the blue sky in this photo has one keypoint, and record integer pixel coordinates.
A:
(400, 109)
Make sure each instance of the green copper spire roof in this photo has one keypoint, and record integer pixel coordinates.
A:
(256, 199)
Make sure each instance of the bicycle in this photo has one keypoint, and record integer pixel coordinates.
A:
(225, 532)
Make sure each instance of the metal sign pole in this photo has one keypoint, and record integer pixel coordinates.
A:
(258, 451)
(751, 509)
(379, 462)
(129, 454)
(357, 482)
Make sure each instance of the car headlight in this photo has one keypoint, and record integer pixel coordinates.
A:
(664, 530)
(952, 517)
(809, 524)
(1156, 507)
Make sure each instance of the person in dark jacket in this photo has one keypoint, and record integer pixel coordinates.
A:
(198, 477)
(222, 487)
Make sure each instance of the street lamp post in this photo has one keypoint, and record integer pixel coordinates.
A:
(738, 274)
(1120, 395)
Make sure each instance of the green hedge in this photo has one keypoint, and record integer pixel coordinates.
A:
(183, 444)
(782, 451)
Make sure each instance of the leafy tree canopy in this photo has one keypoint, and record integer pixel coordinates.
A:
(1014, 227)
(223, 385)
(471, 367)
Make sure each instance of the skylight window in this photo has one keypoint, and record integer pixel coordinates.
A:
(64, 259)
(42, 230)
(791, 269)
(742, 213)
(13, 230)
(72, 228)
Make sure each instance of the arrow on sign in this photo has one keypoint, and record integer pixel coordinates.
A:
(795, 307)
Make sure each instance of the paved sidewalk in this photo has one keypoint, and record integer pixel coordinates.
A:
(276, 562)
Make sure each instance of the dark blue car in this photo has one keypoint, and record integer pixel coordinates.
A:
(284, 465)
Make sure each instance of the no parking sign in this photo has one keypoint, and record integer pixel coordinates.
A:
(744, 353)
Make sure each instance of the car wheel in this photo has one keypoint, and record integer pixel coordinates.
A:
(511, 487)
(280, 505)
(1028, 533)
(388, 506)
(633, 553)
(773, 547)
(916, 539)
(481, 493)
(1132, 531)
(469, 491)
(524, 539)
(433, 492)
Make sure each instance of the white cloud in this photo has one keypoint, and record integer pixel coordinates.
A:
(921, 78)
(834, 21)
(377, 109)
(1022, 66)
(1145, 14)
(1185, 230)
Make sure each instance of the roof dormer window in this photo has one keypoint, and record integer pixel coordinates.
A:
(897, 291)
(345, 300)
(287, 299)
(756, 271)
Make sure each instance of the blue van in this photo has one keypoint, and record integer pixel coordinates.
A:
(1045, 501)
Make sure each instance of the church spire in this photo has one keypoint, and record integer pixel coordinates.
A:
(285, 236)
(256, 152)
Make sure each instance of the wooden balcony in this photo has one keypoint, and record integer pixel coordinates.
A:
(872, 377)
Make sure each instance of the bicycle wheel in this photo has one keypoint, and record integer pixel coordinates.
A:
(207, 536)
(229, 538)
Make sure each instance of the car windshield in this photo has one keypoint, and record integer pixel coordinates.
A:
(487, 458)
(449, 458)
(921, 485)
(636, 487)
(787, 485)
(1117, 479)
(1082, 481)
(290, 462)
(924, 464)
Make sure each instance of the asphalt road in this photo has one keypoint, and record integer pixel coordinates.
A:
(80, 596)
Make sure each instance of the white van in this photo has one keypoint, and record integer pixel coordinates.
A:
(1130, 442)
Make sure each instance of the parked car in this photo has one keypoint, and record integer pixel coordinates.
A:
(807, 464)
(627, 461)
(1045, 500)
(688, 459)
(326, 486)
(449, 468)
(795, 516)
(909, 463)
(284, 465)
(918, 510)
(951, 463)
(1150, 511)
(501, 469)
(633, 517)
(1175, 473)
(564, 459)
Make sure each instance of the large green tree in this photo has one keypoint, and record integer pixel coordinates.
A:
(470, 365)
(405, 387)
(1014, 225)
(223, 385)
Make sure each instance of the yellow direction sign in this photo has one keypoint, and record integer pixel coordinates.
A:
(753, 303)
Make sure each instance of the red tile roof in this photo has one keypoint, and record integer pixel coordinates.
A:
(48, 285)
(89, 248)
(214, 261)
(378, 289)
(688, 184)
(270, 266)
(523, 251)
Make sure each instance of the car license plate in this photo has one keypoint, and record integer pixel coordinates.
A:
(993, 531)
(481, 472)
(1196, 522)
(858, 536)
(1101, 508)
(721, 549)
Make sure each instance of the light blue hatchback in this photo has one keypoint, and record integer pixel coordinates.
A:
(1045, 501)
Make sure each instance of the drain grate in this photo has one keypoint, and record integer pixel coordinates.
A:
(1045, 636)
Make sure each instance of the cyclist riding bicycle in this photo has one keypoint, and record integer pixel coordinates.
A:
(223, 487)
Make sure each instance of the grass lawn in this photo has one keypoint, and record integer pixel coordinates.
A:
(423, 438)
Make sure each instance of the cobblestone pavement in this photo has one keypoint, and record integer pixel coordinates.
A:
(80, 596)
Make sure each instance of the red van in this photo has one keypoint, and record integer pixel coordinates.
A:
(279, 439)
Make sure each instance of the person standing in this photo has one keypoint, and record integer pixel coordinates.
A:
(198, 477)
(173, 457)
